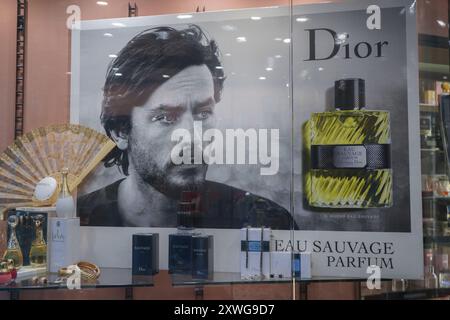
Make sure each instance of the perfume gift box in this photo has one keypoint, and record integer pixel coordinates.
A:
(255, 253)
(302, 265)
(202, 257)
(145, 254)
(180, 253)
(280, 264)
(64, 242)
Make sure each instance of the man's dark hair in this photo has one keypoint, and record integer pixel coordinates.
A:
(146, 62)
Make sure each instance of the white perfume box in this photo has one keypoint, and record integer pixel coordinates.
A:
(64, 242)
(302, 265)
(280, 264)
(255, 253)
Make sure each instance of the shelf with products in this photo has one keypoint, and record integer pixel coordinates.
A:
(221, 278)
(434, 89)
(429, 108)
(109, 278)
(444, 240)
(422, 294)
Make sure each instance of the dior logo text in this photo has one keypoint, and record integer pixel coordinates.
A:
(340, 45)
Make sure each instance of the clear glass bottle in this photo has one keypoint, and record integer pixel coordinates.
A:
(349, 153)
(38, 251)
(65, 205)
(431, 279)
(187, 212)
(13, 250)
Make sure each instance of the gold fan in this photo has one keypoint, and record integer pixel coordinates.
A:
(30, 169)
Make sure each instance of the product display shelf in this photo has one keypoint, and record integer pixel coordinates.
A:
(109, 278)
(423, 294)
(226, 278)
(429, 107)
(435, 198)
(444, 240)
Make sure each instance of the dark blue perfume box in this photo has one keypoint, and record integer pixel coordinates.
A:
(145, 254)
(180, 253)
(202, 257)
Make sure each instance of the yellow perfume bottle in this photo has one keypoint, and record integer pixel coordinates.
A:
(13, 250)
(349, 153)
(38, 251)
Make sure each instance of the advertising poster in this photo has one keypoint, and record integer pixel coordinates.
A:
(302, 118)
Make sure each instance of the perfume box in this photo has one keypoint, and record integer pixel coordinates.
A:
(64, 242)
(302, 265)
(202, 257)
(25, 230)
(145, 254)
(180, 253)
(280, 264)
(255, 253)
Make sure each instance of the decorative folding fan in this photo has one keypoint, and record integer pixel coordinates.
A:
(30, 169)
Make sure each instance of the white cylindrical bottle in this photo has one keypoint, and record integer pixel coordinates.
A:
(65, 205)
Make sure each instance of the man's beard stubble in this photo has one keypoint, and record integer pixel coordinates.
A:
(169, 179)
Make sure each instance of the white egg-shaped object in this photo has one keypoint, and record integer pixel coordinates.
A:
(45, 188)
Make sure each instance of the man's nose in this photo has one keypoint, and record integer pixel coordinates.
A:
(195, 129)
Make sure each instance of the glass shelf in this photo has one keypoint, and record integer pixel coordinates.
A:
(442, 293)
(109, 278)
(429, 108)
(437, 239)
(433, 198)
(432, 150)
(226, 278)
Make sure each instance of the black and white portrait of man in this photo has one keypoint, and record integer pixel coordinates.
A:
(166, 79)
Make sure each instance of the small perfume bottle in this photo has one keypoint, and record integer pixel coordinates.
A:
(5, 273)
(349, 153)
(431, 279)
(181, 243)
(65, 205)
(13, 250)
(38, 251)
(188, 211)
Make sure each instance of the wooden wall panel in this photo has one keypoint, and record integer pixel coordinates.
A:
(8, 11)
(428, 15)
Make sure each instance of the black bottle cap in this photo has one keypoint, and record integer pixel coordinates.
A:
(349, 94)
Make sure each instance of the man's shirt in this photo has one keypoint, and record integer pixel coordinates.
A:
(221, 207)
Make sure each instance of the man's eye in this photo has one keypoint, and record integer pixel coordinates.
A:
(204, 115)
(165, 118)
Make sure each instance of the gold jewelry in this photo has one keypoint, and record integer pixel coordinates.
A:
(65, 272)
(89, 270)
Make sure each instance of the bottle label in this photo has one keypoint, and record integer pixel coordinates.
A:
(369, 156)
(349, 157)
(255, 246)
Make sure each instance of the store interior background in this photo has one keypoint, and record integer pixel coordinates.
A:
(47, 96)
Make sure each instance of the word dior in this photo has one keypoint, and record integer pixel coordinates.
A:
(235, 147)
(361, 50)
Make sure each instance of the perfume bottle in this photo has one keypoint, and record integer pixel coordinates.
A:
(65, 205)
(349, 153)
(181, 242)
(13, 250)
(431, 279)
(188, 208)
(38, 251)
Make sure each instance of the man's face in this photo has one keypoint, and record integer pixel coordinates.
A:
(186, 97)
